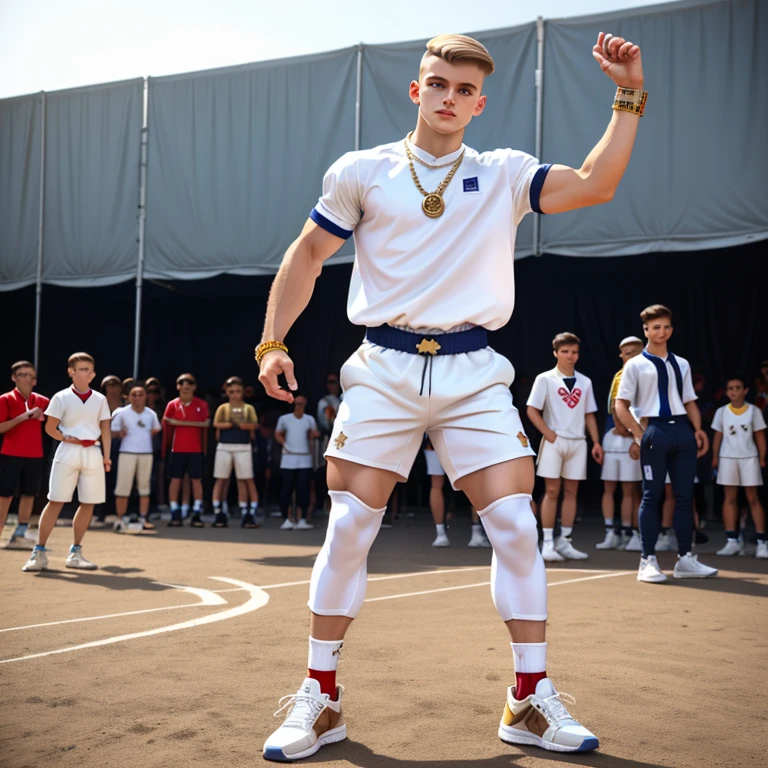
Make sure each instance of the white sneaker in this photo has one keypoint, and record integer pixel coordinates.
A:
(672, 537)
(664, 543)
(649, 571)
(38, 561)
(635, 543)
(689, 567)
(762, 550)
(313, 721)
(303, 525)
(119, 526)
(76, 560)
(288, 525)
(20, 542)
(550, 554)
(479, 540)
(612, 540)
(441, 541)
(543, 721)
(568, 551)
(732, 547)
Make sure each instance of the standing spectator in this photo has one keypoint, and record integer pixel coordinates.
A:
(185, 432)
(112, 388)
(235, 423)
(21, 457)
(327, 409)
(156, 401)
(295, 433)
(135, 426)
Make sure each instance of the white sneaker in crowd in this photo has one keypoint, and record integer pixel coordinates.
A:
(634, 544)
(479, 539)
(649, 571)
(38, 561)
(689, 567)
(568, 551)
(75, 559)
(550, 554)
(663, 543)
(441, 540)
(303, 525)
(732, 547)
(762, 550)
(612, 540)
(313, 721)
(288, 525)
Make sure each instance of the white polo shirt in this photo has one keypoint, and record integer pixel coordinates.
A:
(563, 409)
(296, 451)
(415, 271)
(640, 386)
(77, 418)
(738, 428)
(139, 426)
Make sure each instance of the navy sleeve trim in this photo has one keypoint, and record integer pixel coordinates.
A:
(329, 226)
(536, 184)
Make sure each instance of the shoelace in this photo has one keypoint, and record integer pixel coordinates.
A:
(304, 710)
(553, 709)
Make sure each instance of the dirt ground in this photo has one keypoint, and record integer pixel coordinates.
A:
(129, 670)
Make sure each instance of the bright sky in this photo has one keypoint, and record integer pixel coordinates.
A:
(53, 44)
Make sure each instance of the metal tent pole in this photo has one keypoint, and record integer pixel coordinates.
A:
(39, 278)
(359, 96)
(142, 223)
(539, 80)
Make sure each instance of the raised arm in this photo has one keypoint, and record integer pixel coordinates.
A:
(289, 296)
(598, 178)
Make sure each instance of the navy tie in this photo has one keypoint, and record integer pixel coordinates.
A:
(662, 379)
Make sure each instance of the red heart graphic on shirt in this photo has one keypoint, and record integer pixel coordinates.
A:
(571, 399)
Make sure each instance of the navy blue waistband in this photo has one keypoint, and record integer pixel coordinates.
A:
(681, 419)
(428, 344)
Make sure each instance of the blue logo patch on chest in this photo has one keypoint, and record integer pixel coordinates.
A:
(471, 184)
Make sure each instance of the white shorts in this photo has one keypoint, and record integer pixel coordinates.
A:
(434, 467)
(77, 467)
(618, 465)
(230, 455)
(743, 473)
(130, 466)
(566, 458)
(469, 415)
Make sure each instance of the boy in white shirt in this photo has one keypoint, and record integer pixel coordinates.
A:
(295, 431)
(135, 425)
(78, 417)
(738, 454)
(561, 405)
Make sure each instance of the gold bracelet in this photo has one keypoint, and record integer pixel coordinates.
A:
(630, 100)
(268, 346)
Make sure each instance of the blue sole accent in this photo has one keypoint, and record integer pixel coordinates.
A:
(589, 744)
(276, 755)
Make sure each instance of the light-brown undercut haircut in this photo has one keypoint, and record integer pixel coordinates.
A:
(655, 312)
(562, 339)
(80, 357)
(17, 366)
(460, 49)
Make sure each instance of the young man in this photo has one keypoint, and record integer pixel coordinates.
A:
(21, 457)
(738, 454)
(620, 467)
(295, 432)
(669, 438)
(134, 425)
(434, 225)
(561, 405)
(78, 418)
(235, 423)
(436, 475)
(187, 436)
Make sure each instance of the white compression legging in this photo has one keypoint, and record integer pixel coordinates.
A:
(340, 573)
(518, 576)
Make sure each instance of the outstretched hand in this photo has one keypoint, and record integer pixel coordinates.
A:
(272, 365)
(620, 59)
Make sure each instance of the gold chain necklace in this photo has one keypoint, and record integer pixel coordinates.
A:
(433, 204)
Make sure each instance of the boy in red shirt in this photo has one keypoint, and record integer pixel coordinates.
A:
(187, 417)
(21, 457)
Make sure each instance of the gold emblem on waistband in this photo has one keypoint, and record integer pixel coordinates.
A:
(428, 347)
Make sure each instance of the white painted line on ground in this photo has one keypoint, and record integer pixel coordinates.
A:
(258, 599)
(207, 597)
(487, 583)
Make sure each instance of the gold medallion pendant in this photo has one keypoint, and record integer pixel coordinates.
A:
(433, 205)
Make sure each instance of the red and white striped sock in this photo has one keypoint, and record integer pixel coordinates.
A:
(323, 660)
(530, 667)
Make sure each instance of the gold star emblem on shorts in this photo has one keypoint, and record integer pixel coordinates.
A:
(340, 440)
(523, 439)
(427, 347)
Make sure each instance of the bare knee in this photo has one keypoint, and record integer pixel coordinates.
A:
(372, 486)
(552, 489)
